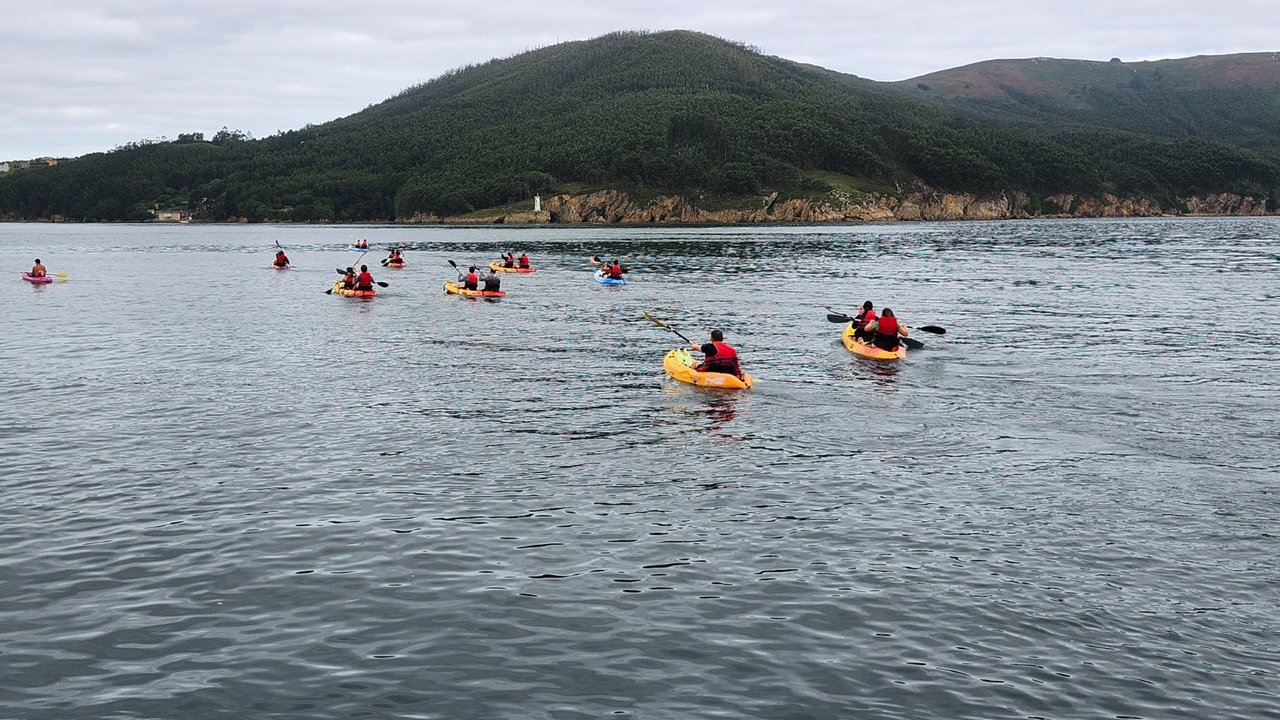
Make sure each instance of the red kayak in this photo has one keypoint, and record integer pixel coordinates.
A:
(41, 280)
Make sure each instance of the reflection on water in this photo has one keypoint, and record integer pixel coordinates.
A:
(241, 497)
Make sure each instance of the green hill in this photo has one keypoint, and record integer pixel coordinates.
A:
(662, 113)
(1233, 99)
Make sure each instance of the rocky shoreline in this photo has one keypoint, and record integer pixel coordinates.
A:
(614, 207)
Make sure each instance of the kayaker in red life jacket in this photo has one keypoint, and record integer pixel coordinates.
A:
(365, 281)
(509, 260)
(38, 270)
(524, 261)
(865, 317)
(885, 331)
(349, 280)
(615, 270)
(395, 256)
(472, 281)
(281, 260)
(718, 356)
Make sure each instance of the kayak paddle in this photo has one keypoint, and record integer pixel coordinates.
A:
(665, 326)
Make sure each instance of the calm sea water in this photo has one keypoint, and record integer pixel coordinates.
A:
(230, 495)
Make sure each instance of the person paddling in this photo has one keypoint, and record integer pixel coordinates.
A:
(365, 280)
(281, 260)
(349, 280)
(38, 270)
(614, 270)
(885, 331)
(509, 260)
(492, 283)
(395, 257)
(718, 356)
(472, 280)
(865, 317)
(524, 261)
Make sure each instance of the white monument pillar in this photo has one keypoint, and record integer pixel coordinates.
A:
(537, 203)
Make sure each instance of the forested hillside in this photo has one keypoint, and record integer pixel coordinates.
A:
(662, 113)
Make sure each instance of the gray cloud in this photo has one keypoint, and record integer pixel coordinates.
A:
(84, 76)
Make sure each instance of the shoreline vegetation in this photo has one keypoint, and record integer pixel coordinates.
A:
(612, 207)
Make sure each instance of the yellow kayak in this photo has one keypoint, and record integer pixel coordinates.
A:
(339, 290)
(680, 366)
(454, 288)
(867, 350)
(499, 267)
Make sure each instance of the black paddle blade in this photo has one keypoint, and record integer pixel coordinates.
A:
(911, 344)
(933, 329)
(838, 318)
(340, 272)
(379, 283)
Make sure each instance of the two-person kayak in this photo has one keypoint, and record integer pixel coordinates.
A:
(352, 293)
(869, 351)
(499, 267)
(680, 366)
(454, 288)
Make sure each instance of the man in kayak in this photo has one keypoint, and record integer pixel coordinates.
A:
(38, 270)
(509, 260)
(491, 281)
(349, 280)
(614, 270)
(865, 317)
(524, 261)
(395, 256)
(281, 260)
(472, 280)
(884, 331)
(365, 280)
(718, 356)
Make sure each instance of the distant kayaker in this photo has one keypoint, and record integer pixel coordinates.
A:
(38, 270)
(509, 260)
(349, 280)
(281, 260)
(524, 261)
(492, 283)
(365, 280)
(472, 280)
(614, 270)
(865, 317)
(395, 257)
(718, 356)
(885, 331)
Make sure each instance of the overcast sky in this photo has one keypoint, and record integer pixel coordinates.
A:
(80, 76)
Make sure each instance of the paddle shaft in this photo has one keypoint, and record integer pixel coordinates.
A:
(665, 326)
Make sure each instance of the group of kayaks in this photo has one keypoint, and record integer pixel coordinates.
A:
(679, 364)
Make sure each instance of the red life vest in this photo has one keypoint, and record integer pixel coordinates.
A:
(724, 361)
(866, 318)
(888, 326)
(365, 282)
(524, 261)
(472, 281)
(615, 271)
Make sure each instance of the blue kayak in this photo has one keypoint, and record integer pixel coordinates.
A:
(606, 280)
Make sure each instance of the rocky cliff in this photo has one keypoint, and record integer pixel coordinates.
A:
(614, 207)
